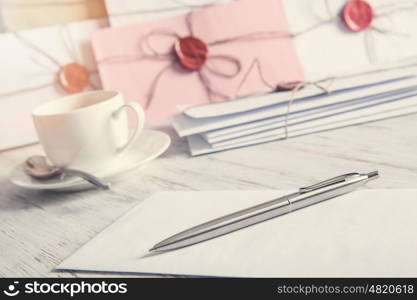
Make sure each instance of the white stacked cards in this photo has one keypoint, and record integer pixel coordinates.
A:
(349, 100)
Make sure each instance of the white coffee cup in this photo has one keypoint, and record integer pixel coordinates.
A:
(87, 131)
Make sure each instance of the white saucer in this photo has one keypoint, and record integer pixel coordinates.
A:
(149, 145)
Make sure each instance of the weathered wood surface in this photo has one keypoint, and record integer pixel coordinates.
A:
(40, 229)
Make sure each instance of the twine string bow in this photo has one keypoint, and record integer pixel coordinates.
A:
(193, 55)
(189, 53)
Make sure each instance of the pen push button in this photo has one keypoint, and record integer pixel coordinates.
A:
(328, 182)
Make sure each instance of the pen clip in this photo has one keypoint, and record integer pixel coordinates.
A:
(327, 182)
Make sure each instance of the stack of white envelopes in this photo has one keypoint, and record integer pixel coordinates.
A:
(335, 103)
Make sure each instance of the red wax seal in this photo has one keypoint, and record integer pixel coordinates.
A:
(287, 86)
(74, 77)
(358, 15)
(191, 52)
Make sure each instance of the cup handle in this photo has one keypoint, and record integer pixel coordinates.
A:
(140, 122)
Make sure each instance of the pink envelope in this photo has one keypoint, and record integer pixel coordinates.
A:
(237, 35)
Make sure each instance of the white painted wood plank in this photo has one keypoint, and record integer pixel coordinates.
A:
(39, 229)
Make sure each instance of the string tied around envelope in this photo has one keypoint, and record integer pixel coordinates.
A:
(293, 86)
(358, 16)
(294, 91)
(191, 54)
(72, 77)
(326, 83)
(322, 84)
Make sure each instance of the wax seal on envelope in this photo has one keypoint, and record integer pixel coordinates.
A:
(191, 52)
(357, 15)
(287, 86)
(74, 77)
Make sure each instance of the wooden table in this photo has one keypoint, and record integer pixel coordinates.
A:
(40, 229)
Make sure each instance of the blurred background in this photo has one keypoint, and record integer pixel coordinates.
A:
(26, 14)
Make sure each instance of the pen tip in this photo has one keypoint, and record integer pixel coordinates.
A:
(373, 174)
(152, 249)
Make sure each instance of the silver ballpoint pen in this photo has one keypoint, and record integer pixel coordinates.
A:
(256, 214)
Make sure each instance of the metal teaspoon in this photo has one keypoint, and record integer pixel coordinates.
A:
(37, 167)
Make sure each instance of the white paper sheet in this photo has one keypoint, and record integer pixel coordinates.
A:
(361, 234)
(124, 12)
(23, 68)
(185, 125)
(354, 116)
(309, 118)
(406, 106)
(388, 72)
